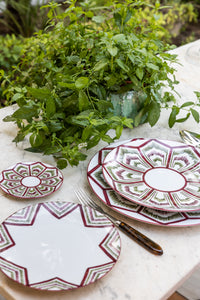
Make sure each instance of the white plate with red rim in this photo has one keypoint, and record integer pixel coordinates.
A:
(155, 173)
(31, 180)
(128, 208)
(58, 246)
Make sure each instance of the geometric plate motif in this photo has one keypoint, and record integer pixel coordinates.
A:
(57, 246)
(128, 208)
(14, 271)
(95, 273)
(31, 180)
(159, 174)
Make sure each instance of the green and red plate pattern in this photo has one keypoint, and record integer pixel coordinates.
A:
(30, 180)
(132, 209)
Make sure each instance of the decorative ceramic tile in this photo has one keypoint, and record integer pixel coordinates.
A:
(159, 174)
(57, 246)
(128, 208)
(30, 180)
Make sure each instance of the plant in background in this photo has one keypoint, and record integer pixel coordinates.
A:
(10, 53)
(66, 77)
(23, 18)
(174, 17)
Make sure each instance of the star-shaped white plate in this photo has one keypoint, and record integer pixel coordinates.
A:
(57, 246)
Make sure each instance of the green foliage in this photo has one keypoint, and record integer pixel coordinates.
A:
(64, 77)
(10, 49)
(10, 53)
(174, 17)
(22, 18)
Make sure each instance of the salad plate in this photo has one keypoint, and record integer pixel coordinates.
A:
(155, 173)
(30, 180)
(58, 246)
(130, 209)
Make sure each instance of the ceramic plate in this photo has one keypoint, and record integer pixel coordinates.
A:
(160, 174)
(57, 246)
(131, 209)
(30, 180)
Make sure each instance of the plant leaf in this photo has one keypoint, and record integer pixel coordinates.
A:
(195, 114)
(101, 64)
(25, 112)
(83, 101)
(81, 82)
(40, 93)
(140, 73)
(98, 19)
(122, 65)
(187, 104)
(36, 139)
(152, 66)
(17, 96)
(50, 107)
(172, 117)
(153, 113)
(112, 50)
(62, 163)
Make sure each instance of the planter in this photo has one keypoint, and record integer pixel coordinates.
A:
(128, 104)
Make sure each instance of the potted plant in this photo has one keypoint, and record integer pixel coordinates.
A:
(69, 78)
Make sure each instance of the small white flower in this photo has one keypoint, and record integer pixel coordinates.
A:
(82, 145)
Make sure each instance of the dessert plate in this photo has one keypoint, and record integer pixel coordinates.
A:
(57, 246)
(30, 180)
(160, 174)
(131, 209)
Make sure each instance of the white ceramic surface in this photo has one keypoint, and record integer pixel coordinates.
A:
(155, 173)
(57, 246)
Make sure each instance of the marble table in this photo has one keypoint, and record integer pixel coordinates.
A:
(138, 274)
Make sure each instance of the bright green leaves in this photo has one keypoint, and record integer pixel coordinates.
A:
(36, 139)
(16, 97)
(81, 82)
(83, 101)
(122, 65)
(189, 111)
(101, 64)
(140, 73)
(112, 50)
(195, 114)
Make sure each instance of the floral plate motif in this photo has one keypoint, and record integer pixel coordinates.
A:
(160, 174)
(58, 246)
(131, 209)
(31, 180)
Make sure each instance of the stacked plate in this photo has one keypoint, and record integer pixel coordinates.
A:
(150, 180)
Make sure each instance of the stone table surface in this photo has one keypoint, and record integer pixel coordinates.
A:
(138, 274)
